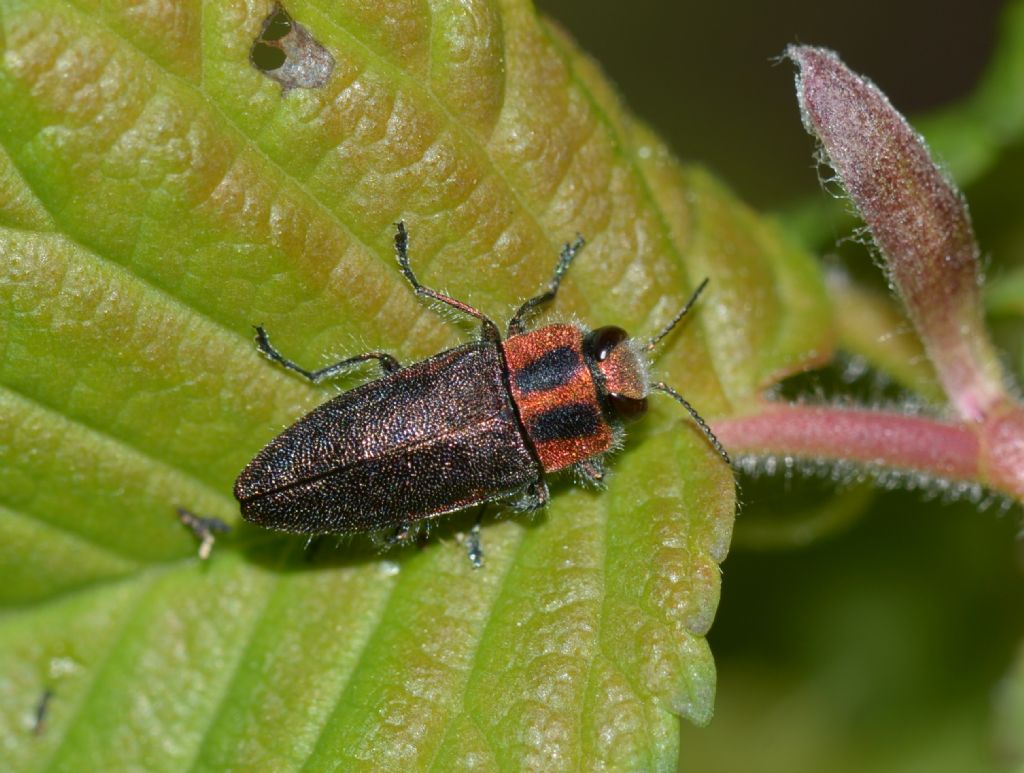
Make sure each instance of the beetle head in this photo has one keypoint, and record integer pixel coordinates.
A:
(623, 370)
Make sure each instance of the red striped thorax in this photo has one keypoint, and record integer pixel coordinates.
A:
(572, 388)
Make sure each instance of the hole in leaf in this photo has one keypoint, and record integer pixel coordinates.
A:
(286, 52)
(277, 25)
(267, 57)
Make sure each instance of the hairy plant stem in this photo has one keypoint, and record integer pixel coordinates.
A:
(864, 436)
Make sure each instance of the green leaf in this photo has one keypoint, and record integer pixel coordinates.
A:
(158, 196)
(1010, 714)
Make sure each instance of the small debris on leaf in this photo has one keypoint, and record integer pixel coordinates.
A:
(41, 710)
(205, 530)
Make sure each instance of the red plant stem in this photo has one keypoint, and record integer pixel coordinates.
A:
(876, 438)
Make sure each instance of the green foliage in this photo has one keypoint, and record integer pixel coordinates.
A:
(158, 196)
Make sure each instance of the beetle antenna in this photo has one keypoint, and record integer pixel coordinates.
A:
(661, 386)
(682, 313)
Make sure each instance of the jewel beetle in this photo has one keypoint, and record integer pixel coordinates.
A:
(481, 422)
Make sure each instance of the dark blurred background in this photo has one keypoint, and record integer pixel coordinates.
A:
(883, 642)
(704, 74)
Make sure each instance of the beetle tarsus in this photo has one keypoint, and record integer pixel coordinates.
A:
(489, 329)
(474, 549)
(516, 325)
(472, 543)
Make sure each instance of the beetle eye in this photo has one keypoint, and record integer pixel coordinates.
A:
(599, 343)
(628, 408)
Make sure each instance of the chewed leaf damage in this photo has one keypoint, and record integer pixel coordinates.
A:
(286, 52)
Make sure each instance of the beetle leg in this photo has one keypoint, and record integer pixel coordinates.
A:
(538, 494)
(490, 330)
(399, 536)
(516, 325)
(534, 497)
(474, 549)
(387, 363)
(591, 471)
(423, 537)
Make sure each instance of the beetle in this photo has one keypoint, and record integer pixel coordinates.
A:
(485, 421)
